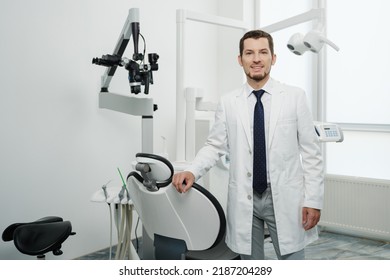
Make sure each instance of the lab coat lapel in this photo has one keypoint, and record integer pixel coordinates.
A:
(242, 108)
(276, 105)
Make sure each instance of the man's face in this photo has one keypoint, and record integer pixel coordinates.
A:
(256, 59)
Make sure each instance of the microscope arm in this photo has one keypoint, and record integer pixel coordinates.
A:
(120, 47)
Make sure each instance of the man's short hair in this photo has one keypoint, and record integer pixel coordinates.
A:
(256, 34)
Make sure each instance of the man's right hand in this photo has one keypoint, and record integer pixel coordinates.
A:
(183, 181)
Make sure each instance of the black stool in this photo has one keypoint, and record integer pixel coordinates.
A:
(39, 237)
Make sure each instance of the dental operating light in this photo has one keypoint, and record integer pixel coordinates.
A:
(313, 41)
(296, 45)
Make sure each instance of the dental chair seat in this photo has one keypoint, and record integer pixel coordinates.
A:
(39, 237)
(193, 222)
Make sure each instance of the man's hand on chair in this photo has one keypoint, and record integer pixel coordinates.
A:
(183, 181)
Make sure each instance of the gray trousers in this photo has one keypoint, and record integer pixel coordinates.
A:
(263, 212)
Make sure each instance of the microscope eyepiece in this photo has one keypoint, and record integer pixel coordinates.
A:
(108, 60)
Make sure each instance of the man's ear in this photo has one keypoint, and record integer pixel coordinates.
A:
(239, 60)
(274, 59)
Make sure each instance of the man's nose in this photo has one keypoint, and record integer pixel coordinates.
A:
(256, 57)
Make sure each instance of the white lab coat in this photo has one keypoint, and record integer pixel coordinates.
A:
(294, 164)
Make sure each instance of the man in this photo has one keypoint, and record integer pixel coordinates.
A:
(293, 180)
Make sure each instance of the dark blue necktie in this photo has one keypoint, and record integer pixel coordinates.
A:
(259, 154)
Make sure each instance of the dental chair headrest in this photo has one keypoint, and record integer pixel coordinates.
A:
(156, 171)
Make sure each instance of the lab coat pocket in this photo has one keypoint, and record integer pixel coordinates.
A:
(286, 134)
(292, 167)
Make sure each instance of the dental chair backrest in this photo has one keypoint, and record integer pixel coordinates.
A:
(195, 217)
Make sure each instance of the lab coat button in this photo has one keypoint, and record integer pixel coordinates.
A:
(249, 197)
(249, 174)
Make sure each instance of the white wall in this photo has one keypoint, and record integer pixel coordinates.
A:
(230, 73)
(57, 146)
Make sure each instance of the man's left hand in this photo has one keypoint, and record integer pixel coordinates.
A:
(310, 217)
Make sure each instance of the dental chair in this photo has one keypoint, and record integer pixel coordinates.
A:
(182, 226)
(39, 237)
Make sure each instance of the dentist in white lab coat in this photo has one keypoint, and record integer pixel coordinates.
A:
(293, 200)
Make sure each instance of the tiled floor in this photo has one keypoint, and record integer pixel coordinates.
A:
(330, 246)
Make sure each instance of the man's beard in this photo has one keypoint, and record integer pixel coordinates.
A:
(258, 77)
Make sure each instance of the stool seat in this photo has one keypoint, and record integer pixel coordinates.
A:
(39, 237)
(8, 233)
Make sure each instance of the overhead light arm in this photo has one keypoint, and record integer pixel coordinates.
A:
(301, 18)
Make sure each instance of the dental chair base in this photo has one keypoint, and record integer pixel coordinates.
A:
(167, 248)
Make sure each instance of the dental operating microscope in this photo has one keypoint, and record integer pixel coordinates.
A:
(140, 75)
